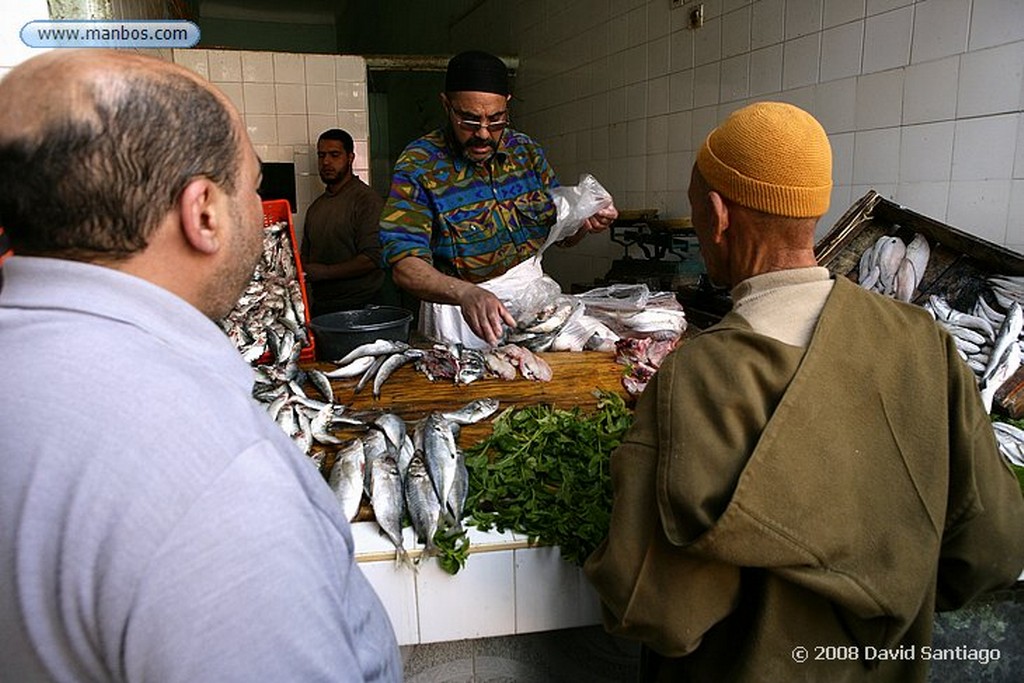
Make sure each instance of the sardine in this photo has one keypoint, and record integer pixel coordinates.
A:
(422, 503)
(390, 364)
(473, 412)
(405, 454)
(440, 453)
(346, 478)
(1006, 338)
(389, 504)
(865, 264)
(551, 318)
(322, 383)
(394, 430)
(320, 425)
(1011, 442)
(872, 278)
(530, 365)
(997, 373)
(375, 448)
(380, 347)
(456, 502)
(499, 365)
(918, 252)
(353, 369)
(370, 372)
(472, 366)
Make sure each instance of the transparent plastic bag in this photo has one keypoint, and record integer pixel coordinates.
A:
(618, 297)
(575, 204)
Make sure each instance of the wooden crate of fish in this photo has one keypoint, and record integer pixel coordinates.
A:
(270, 322)
(972, 287)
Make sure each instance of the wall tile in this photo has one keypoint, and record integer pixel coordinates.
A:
(350, 68)
(262, 128)
(289, 68)
(681, 50)
(318, 123)
(617, 105)
(636, 137)
(679, 132)
(1018, 163)
(876, 156)
(319, 69)
(995, 22)
(257, 67)
(657, 172)
(618, 33)
(658, 19)
(636, 101)
(842, 11)
(767, 23)
(735, 78)
(225, 66)
(800, 97)
(396, 588)
(705, 84)
(842, 158)
(617, 71)
(259, 98)
(290, 98)
(658, 57)
(930, 91)
(980, 207)
(551, 593)
(940, 29)
(598, 105)
(991, 80)
(929, 198)
(835, 105)
(879, 6)
(766, 70)
(321, 99)
(234, 93)
(292, 129)
(1015, 219)
(803, 17)
(880, 99)
(736, 32)
(983, 149)
(351, 96)
(887, 40)
(636, 27)
(679, 166)
(478, 602)
(707, 43)
(194, 60)
(840, 202)
(636, 174)
(800, 61)
(657, 96)
(636, 64)
(680, 91)
(703, 121)
(926, 152)
(841, 51)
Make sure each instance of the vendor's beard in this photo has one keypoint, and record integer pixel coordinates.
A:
(473, 141)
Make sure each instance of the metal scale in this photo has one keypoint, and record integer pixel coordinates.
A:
(661, 253)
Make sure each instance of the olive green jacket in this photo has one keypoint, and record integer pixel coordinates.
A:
(769, 499)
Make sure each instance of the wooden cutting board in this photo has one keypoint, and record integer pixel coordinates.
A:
(576, 376)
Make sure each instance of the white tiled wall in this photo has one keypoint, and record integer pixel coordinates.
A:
(922, 99)
(287, 100)
(506, 587)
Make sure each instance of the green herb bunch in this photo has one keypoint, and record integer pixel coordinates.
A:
(544, 473)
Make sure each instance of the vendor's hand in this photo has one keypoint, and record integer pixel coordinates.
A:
(602, 220)
(485, 314)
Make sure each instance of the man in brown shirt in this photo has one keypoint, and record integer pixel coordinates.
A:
(340, 247)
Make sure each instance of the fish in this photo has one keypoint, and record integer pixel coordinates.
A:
(370, 372)
(390, 364)
(421, 502)
(303, 435)
(1009, 332)
(1011, 442)
(530, 365)
(438, 363)
(551, 318)
(320, 425)
(473, 412)
(321, 382)
(374, 448)
(943, 311)
(872, 278)
(380, 347)
(353, 369)
(918, 252)
(405, 454)
(456, 501)
(440, 453)
(388, 501)
(982, 309)
(905, 281)
(472, 366)
(499, 366)
(865, 264)
(394, 430)
(998, 372)
(890, 255)
(346, 480)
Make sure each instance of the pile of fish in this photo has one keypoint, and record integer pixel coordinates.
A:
(270, 314)
(893, 268)
(423, 475)
(633, 311)
(377, 361)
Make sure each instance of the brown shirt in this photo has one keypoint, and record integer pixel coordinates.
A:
(340, 227)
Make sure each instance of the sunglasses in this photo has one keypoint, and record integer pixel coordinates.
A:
(473, 125)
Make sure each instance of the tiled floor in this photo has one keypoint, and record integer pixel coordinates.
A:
(566, 656)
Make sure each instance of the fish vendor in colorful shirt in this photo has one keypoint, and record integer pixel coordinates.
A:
(468, 208)
(809, 480)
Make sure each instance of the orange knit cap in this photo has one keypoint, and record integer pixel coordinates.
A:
(772, 157)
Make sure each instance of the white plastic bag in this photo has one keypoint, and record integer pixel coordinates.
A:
(575, 204)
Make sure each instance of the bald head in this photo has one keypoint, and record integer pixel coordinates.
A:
(96, 146)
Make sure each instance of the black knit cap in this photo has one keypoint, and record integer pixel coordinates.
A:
(476, 71)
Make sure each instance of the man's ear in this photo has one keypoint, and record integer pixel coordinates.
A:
(719, 216)
(200, 217)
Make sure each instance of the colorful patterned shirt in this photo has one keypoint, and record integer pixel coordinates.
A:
(472, 221)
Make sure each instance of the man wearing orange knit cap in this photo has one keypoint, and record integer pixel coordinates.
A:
(807, 481)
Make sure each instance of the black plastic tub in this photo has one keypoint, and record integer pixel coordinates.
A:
(338, 333)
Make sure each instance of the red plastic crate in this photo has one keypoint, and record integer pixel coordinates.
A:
(277, 211)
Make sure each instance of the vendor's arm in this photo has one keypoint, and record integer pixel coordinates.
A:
(599, 222)
(361, 264)
(482, 310)
(365, 226)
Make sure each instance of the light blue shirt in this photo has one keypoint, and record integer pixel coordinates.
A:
(155, 524)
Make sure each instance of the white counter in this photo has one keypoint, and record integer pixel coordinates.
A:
(506, 587)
